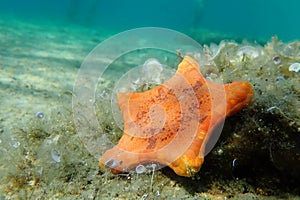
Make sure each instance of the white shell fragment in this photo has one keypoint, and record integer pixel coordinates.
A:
(249, 51)
(39, 115)
(276, 60)
(140, 169)
(295, 67)
(16, 144)
(55, 155)
(152, 69)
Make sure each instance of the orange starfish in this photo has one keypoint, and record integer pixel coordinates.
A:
(173, 123)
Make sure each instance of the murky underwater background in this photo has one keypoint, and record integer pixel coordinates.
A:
(249, 18)
(42, 46)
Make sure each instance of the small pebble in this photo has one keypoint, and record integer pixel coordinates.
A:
(219, 151)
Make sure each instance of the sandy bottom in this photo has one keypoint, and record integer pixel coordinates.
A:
(42, 156)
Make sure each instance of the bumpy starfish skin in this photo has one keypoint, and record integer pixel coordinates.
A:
(172, 123)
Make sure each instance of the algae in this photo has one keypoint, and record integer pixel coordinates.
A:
(257, 155)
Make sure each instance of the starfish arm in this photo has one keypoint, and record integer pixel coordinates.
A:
(238, 96)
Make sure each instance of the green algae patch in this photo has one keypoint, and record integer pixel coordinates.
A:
(42, 156)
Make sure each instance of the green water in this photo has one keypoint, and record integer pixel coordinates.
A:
(249, 18)
(43, 45)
